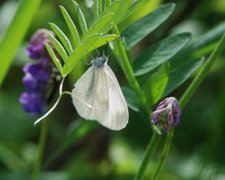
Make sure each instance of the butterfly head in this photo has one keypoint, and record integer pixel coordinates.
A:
(100, 61)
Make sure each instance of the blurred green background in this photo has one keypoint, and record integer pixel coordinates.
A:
(198, 150)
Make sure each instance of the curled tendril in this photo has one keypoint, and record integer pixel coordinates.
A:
(61, 93)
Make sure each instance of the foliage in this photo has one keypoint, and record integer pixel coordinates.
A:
(160, 69)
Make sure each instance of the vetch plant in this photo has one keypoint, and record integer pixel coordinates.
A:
(152, 75)
(37, 75)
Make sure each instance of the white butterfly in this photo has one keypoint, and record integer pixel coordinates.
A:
(97, 96)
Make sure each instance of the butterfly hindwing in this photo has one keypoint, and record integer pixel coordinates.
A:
(117, 115)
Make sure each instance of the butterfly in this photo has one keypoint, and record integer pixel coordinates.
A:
(97, 96)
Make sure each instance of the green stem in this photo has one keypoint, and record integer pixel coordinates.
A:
(128, 70)
(41, 146)
(164, 155)
(187, 96)
(148, 153)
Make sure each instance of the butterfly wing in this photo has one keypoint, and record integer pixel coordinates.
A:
(90, 94)
(117, 115)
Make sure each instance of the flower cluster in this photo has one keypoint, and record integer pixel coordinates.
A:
(37, 75)
(167, 115)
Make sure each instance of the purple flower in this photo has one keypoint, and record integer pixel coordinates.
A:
(39, 71)
(33, 103)
(30, 83)
(36, 49)
(167, 115)
(37, 75)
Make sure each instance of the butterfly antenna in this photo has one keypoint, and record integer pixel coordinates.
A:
(108, 49)
(98, 53)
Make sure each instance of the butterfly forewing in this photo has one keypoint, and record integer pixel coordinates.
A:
(90, 94)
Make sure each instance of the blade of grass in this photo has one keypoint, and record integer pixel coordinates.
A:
(15, 34)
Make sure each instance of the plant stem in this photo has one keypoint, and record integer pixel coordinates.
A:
(128, 69)
(187, 96)
(41, 146)
(164, 155)
(148, 153)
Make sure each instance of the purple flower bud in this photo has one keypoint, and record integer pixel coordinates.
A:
(167, 115)
(33, 103)
(36, 49)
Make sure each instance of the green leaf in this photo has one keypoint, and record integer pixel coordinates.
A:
(100, 26)
(111, 9)
(59, 48)
(137, 5)
(156, 84)
(179, 75)
(81, 19)
(55, 59)
(97, 8)
(71, 26)
(203, 72)
(102, 41)
(159, 53)
(131, 99)
(93, 42)
(122, 11)
(15, 33)
(201, 45)
(11, 160)
(62, 37)
(141, 28)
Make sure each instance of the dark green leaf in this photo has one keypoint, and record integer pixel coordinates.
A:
(181, 74)
(11, 160)
(131, 99)
(200, 46)
(141, 28)
(156, 84)
(80, 130)
(159, 53)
